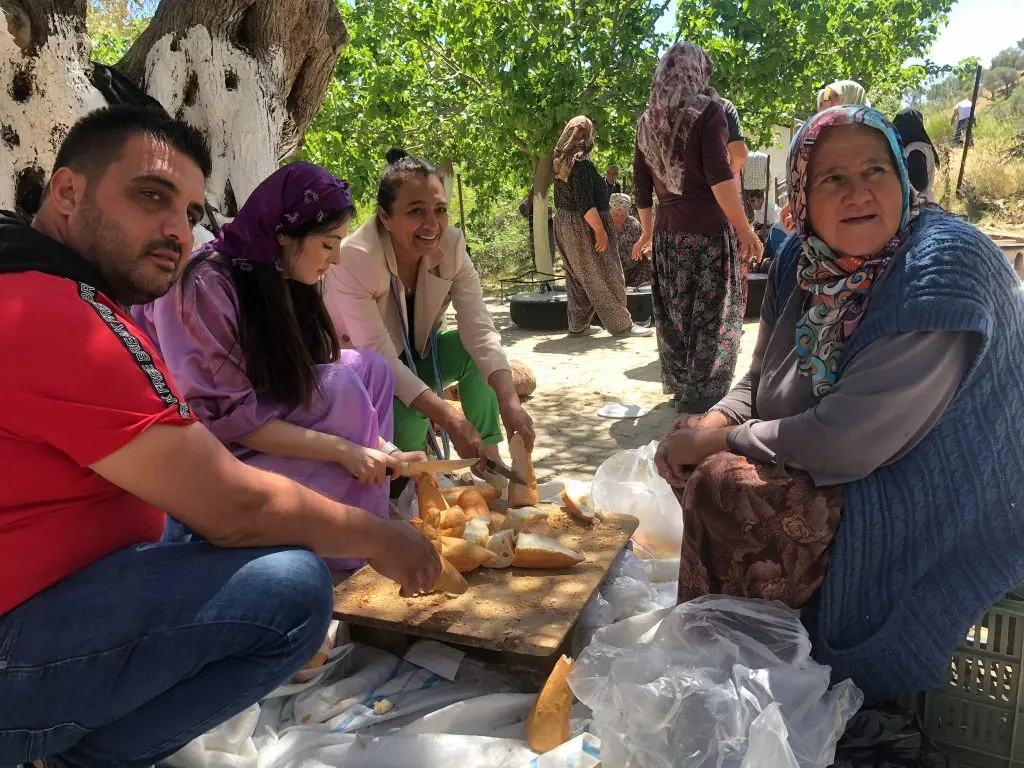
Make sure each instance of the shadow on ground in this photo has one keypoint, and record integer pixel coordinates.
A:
(649, 372)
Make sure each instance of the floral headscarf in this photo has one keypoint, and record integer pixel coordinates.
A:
(288, 198)
(576, 141)
(677, 100)
(842, 283)
(620, 201)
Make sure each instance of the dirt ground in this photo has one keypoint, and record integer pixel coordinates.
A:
(575, 377)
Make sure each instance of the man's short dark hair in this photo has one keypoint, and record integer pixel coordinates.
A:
(95, 142)
(612, 168)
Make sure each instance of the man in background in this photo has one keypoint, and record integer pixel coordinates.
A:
(611, 178)
(961, 119)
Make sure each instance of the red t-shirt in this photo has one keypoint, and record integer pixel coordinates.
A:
(78, 382)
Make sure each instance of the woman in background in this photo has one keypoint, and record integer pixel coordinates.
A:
(626, 233)
(842, 93)
(701, 237)
(593, 274)
(922, 160)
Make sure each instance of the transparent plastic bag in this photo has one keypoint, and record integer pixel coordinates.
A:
(629, 483)
(713, 683)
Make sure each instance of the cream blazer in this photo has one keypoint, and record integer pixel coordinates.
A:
(358, 296)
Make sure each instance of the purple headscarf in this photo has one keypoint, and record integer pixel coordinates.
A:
(288, 198)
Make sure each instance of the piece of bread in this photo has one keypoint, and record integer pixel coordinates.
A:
(548, 724)
(472, 503)
(424, 527)
(429, 498)
(449, 580)
(464, 555)
(451, 522)
(576, 501)
(521, 495)
(533, 551)
(497, 521)
(477, 532)
(502, 544)
(517, 518)
(538, 527)
(487, 491)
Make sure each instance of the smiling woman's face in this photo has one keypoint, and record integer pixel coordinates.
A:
(419, 215)
(854, 197)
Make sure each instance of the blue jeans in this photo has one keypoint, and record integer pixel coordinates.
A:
(128, 660)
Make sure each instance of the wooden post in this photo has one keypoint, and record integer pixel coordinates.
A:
(462, 208)
(970, 129)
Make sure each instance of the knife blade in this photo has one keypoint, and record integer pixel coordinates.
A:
(501, 469)
(411, 468)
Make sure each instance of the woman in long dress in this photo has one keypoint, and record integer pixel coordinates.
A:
(701, 236)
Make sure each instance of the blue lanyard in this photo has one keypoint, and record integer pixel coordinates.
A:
(396, 294)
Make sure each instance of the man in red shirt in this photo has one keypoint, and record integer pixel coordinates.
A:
(116, 648)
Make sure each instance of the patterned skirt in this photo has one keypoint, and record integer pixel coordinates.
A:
(699, 291)
(750, 531)
(593, 281)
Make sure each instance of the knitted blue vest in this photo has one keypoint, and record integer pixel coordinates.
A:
(926, 545)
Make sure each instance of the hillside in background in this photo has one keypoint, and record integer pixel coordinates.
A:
(993, 190)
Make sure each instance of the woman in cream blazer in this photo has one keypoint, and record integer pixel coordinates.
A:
(398, 274)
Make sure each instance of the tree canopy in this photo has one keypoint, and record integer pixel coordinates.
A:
(772, 56)
(488, 85)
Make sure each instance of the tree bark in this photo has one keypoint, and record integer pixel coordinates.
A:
(543, 174)
(44, 88)
(250, 73)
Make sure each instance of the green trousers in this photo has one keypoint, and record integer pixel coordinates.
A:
(479, 402)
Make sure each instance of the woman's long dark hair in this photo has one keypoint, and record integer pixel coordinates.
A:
(283, 326)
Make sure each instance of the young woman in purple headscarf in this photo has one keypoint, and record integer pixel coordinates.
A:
(250, 344)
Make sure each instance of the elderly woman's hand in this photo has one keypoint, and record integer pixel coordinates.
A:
(686, 448)
(709, 420)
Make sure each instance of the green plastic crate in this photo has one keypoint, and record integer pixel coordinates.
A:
(977, 718)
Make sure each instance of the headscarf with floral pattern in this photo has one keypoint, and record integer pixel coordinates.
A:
(841, 283)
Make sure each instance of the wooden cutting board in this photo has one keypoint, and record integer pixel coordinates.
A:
(515, 610)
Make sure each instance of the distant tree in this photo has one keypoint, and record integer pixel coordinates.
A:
(1012, 58)
(1000, 81)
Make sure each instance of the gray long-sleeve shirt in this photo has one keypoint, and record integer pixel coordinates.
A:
(887, 400)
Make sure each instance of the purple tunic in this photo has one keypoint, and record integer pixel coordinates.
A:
(199, 343)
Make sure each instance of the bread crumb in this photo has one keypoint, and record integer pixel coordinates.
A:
(382, 706)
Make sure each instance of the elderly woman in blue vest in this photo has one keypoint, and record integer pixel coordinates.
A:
(867, 468)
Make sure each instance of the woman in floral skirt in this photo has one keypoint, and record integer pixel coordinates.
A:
(701, 237)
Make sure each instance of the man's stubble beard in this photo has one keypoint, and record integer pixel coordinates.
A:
(105, 245)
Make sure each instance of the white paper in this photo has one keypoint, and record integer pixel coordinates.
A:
(440, 659)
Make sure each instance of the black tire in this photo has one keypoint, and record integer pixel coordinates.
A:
(549, 311)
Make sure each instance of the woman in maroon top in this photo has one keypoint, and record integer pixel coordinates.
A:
(699, 285)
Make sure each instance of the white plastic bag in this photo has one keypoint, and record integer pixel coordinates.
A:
(629, 483)
(713, 683)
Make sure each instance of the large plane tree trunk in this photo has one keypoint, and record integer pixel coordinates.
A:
(543, 175)
(251, 74)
